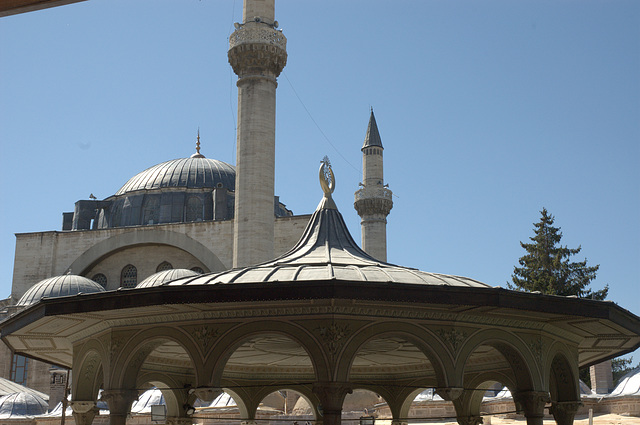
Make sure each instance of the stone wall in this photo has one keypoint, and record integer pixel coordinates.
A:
(41, 255)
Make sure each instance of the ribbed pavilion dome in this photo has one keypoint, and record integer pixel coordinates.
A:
(193, 173)
(59, 286)
(20, 405)
(326, 251)
(165, 276)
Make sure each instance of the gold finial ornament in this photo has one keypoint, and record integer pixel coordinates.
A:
(328, 184)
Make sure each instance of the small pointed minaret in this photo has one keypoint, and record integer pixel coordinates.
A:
(373, 201)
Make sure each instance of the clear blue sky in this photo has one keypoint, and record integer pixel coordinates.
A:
(488, 111)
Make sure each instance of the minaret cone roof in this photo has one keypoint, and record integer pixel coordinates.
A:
(372, 137)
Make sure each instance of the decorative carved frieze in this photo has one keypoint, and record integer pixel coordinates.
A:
(205, 335)
(372, 206)
(536, 347)
(453, 337)
(333, 336)
(90, 366)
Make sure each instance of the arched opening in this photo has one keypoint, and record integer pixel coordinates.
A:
(286, 405)
(263, 356)
(495, 373)
(364, 405)
(259, 364)
(394, 367)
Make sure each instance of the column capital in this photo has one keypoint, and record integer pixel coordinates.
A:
(564, 411)
(449, 393)
(82, 406)
(84, 411)
(332, 394)
(532, 403)
(119, 404)
(207, 393)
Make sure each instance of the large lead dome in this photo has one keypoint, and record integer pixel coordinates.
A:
(178, 191)
(196, 172)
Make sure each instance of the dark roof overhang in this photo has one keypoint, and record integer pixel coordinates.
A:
(572, 314)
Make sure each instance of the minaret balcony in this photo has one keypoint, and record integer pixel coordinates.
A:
(374, 201)
(374, 192)
(257, 33)
(256, 48)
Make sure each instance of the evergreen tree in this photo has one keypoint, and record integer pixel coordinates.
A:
(547, 266)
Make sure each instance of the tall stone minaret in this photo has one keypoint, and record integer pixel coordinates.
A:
(257, 55)
(373, 202)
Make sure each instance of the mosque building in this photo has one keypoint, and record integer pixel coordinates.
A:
(194, 278)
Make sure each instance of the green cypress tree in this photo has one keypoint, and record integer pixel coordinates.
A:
(547, 265)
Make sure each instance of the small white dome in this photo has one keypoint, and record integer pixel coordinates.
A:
(59, 286)
(21, 405)
(160, 278)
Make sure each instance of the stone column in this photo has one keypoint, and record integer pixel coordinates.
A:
(84, 411)
(564, 411)
(257, 55)
(331, 396)
(532, 403)
(119, 404)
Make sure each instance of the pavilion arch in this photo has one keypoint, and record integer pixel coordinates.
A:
(470, 402)
(561, 374)
(138, 347)
(88, 374)
(304, 392)
(425, 341)
(405, 405)
(175, 396)
(228, 343)
(524, 366)
(145, 236)
(240, 402)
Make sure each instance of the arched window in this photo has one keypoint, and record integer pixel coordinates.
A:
(165, 265)
(129, 277)
(194, 209)
(197, 270)
(100, 279)
(151, 210)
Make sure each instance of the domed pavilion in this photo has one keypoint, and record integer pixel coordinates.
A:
(323, 320)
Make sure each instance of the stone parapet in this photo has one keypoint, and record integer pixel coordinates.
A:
(372, 206)
(257, 49)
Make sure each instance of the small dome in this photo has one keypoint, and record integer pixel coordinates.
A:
(147, 399)
(160, 278)
(59, 286)
(21, 405)
(193, 173)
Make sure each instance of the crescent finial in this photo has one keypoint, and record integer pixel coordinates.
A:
(328, 183)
